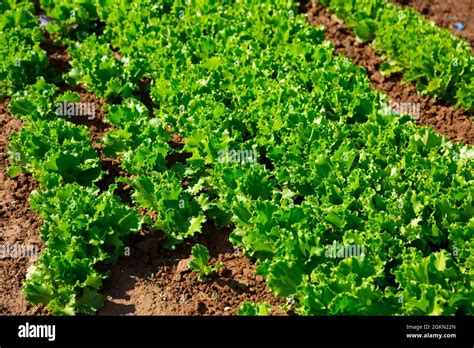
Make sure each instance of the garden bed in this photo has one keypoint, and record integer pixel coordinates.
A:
(153, 281)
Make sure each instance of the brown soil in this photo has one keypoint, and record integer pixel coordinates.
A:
(58, 58)
(18, 225)
(446, 13)
(455, 124)
(154, 281)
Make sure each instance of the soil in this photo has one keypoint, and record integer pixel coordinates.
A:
(18, 225)
(156, 281)
(456, 124)
(446, 14)
(58, 58)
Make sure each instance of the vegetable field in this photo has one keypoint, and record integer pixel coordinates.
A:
(235, 157)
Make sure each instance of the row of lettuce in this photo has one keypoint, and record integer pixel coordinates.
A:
(441, 65)
(83, 228)
(21, 57)
(284, 141)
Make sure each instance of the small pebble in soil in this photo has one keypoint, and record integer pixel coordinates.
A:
(459, 26)
(202, 308)
(182, 299)
(226, 309)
